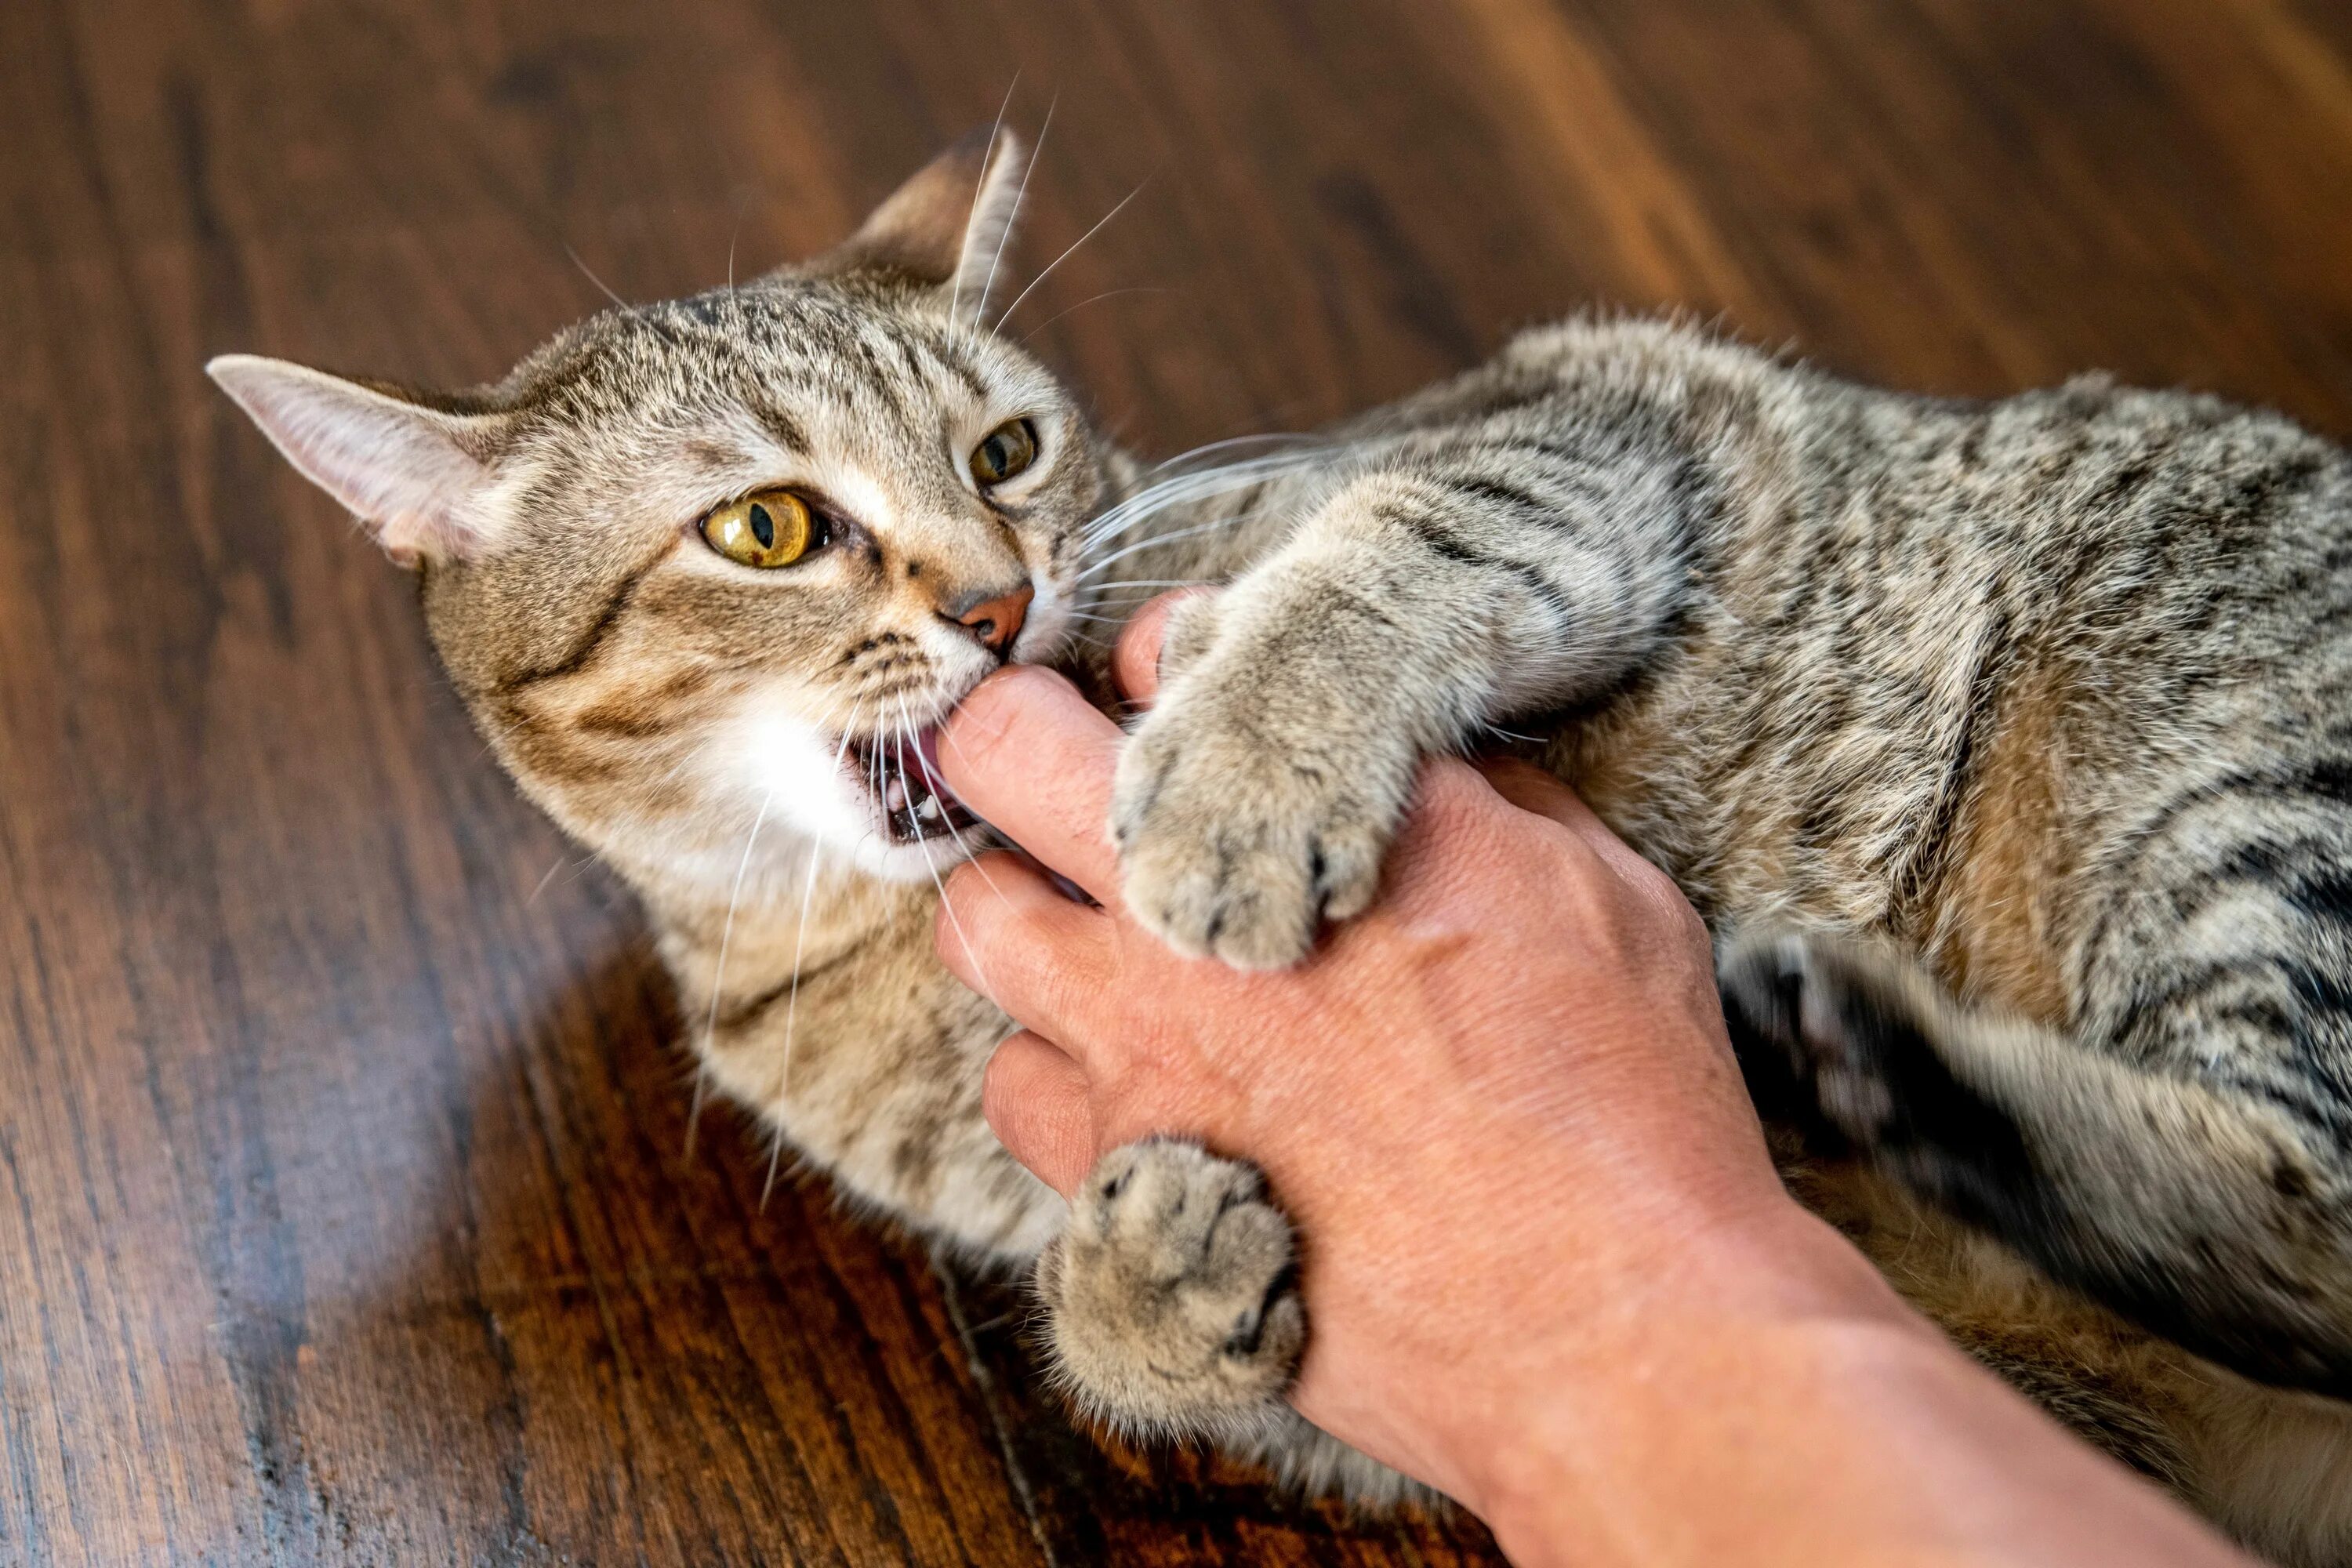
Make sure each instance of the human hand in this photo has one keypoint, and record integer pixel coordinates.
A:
(1499, 1103)
(1548, 1268)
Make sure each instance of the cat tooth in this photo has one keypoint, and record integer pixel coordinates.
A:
(930, 809)
(894, 796)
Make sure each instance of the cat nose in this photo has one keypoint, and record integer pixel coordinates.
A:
(992, 615)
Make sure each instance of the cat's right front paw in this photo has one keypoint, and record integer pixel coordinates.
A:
(1173, 1295)
(1252, 806)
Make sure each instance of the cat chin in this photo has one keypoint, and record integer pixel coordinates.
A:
(806, 777)
(886, 862)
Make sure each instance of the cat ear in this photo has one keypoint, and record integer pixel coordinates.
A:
(946, 225)
(418, 477)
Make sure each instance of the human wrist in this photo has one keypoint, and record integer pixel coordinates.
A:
(1834, 1426)
(1573, 1447)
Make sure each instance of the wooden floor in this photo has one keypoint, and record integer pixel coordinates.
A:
(348, 1208)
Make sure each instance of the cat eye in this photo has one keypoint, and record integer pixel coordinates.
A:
(772, 528)
(1010, 447)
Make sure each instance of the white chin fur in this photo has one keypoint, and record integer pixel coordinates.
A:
(798, 768)
(908, 862)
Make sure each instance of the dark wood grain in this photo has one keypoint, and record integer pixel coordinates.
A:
(347, 1206)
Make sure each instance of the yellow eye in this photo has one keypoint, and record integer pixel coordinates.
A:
(770, 528)
(1010, 447)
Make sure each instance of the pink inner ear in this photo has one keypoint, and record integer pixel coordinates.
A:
(951, 211)
(401, 468)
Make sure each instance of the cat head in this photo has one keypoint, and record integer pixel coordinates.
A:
(729, 559)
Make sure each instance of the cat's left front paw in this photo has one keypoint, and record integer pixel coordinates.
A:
(1173, 1296)
(1241, 829)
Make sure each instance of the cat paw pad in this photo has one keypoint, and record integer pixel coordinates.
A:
(1793, 997)
(1173, 1294)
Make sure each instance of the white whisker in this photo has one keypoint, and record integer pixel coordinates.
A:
(1105, 294)
(914, 820)
(694, 1110)
(800, 946)
(979, 308)
(987, 162)
(543, 882)
(1267, 438)
(1146, 582)
(775, 1148)
(733, 235)
(1002, 319)
(726, 936)
(948, 739)
(1123, 551)
(1181, 488)
(971, 857)
(1197, 485)
(948, 817)
(592, 277)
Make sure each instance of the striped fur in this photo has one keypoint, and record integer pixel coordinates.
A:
(2005, 746)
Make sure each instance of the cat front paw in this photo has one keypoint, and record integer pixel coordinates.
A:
(1245, 817)
(1173, 1295)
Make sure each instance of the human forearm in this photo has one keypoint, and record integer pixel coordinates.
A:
(1849, 1432)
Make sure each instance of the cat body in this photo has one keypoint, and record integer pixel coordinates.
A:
(2004, 746)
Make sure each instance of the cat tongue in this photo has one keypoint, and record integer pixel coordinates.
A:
(926, 755)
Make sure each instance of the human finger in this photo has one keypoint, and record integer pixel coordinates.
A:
(1033, 758)
(1135, 661)
(1006, 931)
(1035, 1098)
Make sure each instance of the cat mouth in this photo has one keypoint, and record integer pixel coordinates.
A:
(900, 773)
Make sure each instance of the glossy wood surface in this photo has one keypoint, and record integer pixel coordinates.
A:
(347, 1210)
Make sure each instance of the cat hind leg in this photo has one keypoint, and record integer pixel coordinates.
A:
(2182, 1196)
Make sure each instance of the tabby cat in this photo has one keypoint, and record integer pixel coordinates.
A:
(2006, 747)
